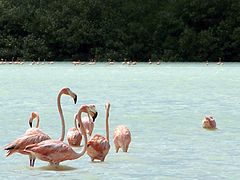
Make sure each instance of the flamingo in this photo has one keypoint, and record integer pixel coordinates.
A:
(74, 137)
(98, 146)
(33, 130)
(209, 122)
(121, 138)
(88, 121)
(30, 138)
(56, 151)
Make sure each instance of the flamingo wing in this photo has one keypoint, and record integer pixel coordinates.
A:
(19, 144)
(52, 151)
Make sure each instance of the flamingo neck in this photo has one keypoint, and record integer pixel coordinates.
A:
(89, 118)
(61, 116)
(37, 125)
(107, 125)
(84, 135)
(75, 122)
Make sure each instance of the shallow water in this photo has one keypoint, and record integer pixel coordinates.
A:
(162, 105)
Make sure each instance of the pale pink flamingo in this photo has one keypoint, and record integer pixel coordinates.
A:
(31, 136)
(98, 146)
(33, 130)
(121, 138)
(209, 122)
(74, 137)
(56, 151)
(88, 121)
(19, 144)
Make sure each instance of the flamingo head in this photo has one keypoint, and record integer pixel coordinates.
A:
(92, 111)
(107, 107)
(67, 91)
(32, 117)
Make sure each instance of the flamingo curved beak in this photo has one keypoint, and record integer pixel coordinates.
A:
(75, 99)
(30, 124)
(30, 121)
(95, 116)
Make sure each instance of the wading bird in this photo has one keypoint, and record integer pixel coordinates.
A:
(209, 122)
(98, 146)
(88, 121)
(31, 138)
(74, 137)
(56, 151)
(121, 138)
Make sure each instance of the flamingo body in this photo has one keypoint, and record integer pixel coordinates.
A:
(52, 151)
(33, 130)
(121, 138)
(209, 122)
(98, 147)
(19, 144)
(74, 137)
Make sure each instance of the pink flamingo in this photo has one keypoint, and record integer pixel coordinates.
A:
(121, 138)
(88, 122)
(31, 136)
(56, 151)
(98, 146)
(74, 137)
(209, 122)
(20, 144)
(33, 130)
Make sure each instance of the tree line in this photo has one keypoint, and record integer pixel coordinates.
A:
(166, 30)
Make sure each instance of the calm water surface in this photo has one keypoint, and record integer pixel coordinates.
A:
(163, 106)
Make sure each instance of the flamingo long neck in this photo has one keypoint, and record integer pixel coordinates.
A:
(38, 119)
(89, 118)
(84, 135)
(107, 125)
(61, 116)
(75, 122)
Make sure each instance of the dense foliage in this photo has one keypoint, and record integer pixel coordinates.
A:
(169, 30)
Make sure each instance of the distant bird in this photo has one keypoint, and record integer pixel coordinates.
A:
(31, 136)
(56, 151)
(121, 138)
(149, 61)
(98, 146)
(209, 122)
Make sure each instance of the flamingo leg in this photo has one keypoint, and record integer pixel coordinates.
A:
(33, 162)
(117, 148)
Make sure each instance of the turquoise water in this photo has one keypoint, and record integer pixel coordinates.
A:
(163, 106)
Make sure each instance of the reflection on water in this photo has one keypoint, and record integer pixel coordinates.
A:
(163, 106)
(55, 168)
